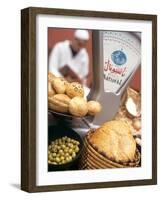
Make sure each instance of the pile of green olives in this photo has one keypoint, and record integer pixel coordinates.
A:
(62, 150)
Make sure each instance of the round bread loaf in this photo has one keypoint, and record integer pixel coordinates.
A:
(59, 85)
(59, 103)
(114, 140)
(75, 89)
(94, 107)
(78, 107)
(51, 91)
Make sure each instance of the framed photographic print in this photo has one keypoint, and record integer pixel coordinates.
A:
(89, 99)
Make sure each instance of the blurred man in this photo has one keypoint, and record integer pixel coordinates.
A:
(70, 58)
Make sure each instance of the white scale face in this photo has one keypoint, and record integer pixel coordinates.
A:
(121, 56)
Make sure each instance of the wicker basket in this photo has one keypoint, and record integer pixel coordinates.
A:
(92, 159)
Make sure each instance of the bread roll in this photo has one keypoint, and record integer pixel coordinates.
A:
(59, 103)
(94, 107)
(59, 85)
(51, 76)
(78, 107)
(75, 89)
(51, 91)
(65, 81)
(114, 139)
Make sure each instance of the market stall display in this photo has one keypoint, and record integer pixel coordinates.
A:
(110, 116)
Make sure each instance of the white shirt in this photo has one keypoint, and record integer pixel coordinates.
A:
(61, 55)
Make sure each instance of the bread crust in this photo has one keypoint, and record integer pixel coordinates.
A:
(75, 89)
(51, 76)
(59, 103)
(51, 91)
(114, 139)
(94, 107)
(78, 107)
(59, 85)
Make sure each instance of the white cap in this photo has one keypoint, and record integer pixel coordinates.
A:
(81, 34)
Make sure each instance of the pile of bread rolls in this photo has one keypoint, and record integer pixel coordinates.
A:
(68, 97)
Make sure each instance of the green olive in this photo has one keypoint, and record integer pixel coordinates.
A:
(70, 151)
(68, 144)
(63, 146)
(65, 150)
(61, 151)
(50, 157)
(62, 158)
(76, 149)
(54, 150)
(71, 140)
(68, 139)
(58, 155)
(55, 147)
(71, 145)
(57, 159)
(70, 158)
(58, 147)
(73, 155)
(67, 154)
(54, 154)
